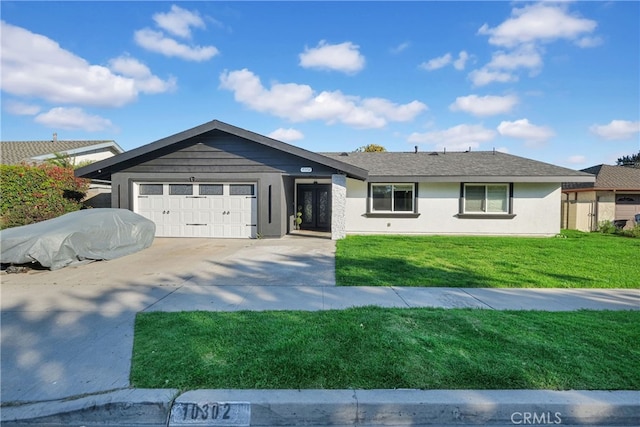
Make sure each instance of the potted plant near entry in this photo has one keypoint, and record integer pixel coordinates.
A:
(298, 218)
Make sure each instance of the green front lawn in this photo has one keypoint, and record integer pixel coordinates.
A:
(371, 348)
(575, 260)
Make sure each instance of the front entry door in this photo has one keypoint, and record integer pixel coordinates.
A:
(314, 201)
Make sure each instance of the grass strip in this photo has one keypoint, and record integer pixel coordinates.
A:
(373, 347)
(577, 260)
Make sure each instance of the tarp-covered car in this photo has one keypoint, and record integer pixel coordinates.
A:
(90, 234)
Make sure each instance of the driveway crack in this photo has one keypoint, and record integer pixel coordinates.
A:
(161, 299)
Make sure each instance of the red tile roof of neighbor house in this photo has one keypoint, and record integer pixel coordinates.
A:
(609, 177)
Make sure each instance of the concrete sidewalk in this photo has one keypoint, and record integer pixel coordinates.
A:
(197, 296)
(67, 335)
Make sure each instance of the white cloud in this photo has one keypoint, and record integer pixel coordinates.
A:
(437, 63)
(400, 48)
(36, 66)
(446, 59)
(179, 21)
(586, 42)
(33, 65)
(156, 41)
(577, 159)
(344, 57)
(73, 119)
(526, 56)
(521, 129)
(460, 63)
(485, 105)
(484, 76)
(393, 111)
(286, 135)
(144, 80)
(299, 103)
(617, 130)
(523, 34)
(461, 137)
(21, 109)
(504, 63)
(540, 22)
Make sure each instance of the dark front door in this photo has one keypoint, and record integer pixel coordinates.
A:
(314, 201)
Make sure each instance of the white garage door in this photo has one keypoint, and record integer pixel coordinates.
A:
(199, 210)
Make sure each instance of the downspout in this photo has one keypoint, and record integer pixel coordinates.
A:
(596, 214)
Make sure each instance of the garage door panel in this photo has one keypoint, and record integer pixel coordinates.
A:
(236, 203)
(217, 229)
(174, 203)
(200, 210)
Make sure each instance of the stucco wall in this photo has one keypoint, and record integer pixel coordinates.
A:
(606, 206)
(92, 157)
(536, 208)
(338, 206)
(586, 210)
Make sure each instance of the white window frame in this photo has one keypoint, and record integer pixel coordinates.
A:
(485, 202)
(393, 210)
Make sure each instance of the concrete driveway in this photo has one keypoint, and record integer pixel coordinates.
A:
(69, 332)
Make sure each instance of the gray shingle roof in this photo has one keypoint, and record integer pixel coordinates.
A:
(13, 152)
(440, 166)
(609, 178)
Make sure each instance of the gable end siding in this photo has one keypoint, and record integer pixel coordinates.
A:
(225, 154)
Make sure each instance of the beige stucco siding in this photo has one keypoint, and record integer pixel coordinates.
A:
(536, 208)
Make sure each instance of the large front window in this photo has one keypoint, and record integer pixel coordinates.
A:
(486, 198)
(392, 197)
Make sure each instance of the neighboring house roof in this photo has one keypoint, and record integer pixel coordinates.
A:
(13, 152)
(470, 166)
(104, 168)
(608, 177)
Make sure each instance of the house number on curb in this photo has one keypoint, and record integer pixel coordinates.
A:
(231, 414)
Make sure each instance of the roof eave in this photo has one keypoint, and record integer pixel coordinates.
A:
(480, 178)
(617, 189)
(77, 151)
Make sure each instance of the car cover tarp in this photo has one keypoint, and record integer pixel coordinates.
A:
(90, 234)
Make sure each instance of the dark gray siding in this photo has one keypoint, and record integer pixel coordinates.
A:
(220, 157)
(220, 152)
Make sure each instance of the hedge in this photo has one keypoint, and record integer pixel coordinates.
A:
(34, 193)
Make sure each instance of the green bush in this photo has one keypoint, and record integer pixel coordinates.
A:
(634, 232)
(606, 227)
(30, 194)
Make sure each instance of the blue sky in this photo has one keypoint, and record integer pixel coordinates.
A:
(552, 81)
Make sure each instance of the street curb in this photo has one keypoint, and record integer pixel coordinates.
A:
(140, 407)
(130, 407)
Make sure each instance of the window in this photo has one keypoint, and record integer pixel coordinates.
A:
(210, 189)
(241, 189)
(486, 198)
(392, 198)
(150, 189)
(180, 189)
